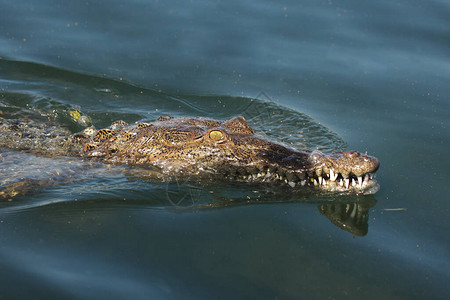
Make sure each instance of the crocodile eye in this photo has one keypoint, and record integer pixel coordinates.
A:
(216, 135)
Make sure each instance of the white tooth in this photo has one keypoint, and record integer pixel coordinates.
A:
(292, 184)
(347, 183)
(332, 178)
(366, 178)
(371, 175)
(285, 181)
(324, 182)
(303, 182)
(341, 183)
(360, 181)
(268, 174)
(353, 182)
(315, 182)
(320, 180)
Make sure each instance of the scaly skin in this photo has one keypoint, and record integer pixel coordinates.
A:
(201, 148)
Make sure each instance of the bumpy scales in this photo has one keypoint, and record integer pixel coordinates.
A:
(201, 148)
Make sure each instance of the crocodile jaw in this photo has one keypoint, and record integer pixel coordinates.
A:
(364, 184)
(347, 172)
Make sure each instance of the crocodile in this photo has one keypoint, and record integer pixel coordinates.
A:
(200, 149)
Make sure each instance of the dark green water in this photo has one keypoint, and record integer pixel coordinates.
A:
(349, 75)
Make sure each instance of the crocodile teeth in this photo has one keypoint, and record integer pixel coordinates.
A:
(303, 182)
(347, 183)
(320, 180)
(292, 184)
(333, 176)
(360, 181)
(353, 182)
(366, 178)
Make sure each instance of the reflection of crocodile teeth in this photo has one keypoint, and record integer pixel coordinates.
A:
(353, 213)
(347, 208)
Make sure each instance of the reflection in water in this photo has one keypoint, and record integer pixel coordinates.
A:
(352, 217)
(349, 213)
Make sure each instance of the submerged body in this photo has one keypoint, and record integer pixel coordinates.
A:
(201, 148)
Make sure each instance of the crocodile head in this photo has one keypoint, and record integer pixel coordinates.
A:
(228, 150)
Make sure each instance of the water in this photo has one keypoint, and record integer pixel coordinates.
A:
(371, 74)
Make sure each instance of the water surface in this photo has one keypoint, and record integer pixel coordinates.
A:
(349, 75)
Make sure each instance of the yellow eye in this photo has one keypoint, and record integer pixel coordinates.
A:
(216, 135)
